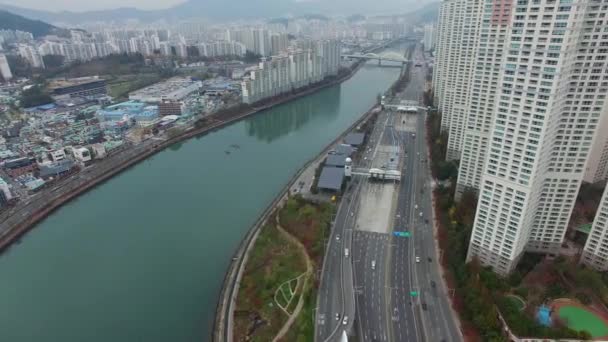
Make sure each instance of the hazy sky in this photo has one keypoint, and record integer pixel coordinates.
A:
(85, 5)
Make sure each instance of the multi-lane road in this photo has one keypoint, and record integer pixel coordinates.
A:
(390, 285)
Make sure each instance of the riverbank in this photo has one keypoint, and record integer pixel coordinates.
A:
(24, 217)
(232, 280)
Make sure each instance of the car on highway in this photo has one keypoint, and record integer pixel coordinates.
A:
(337, 316)
(345, 320)
(373, 264)
(346, 252)
(417, 259)
(337, 237)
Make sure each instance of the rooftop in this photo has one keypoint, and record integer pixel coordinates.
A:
(331, 178)
(70, 82)
(354, 139)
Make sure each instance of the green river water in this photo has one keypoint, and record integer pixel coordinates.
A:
(142, 257)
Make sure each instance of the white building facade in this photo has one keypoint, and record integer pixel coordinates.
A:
(290, 71)
(548, 109)
(5, 69)
(595, 253)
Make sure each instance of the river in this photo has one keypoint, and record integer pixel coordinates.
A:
(142, 257)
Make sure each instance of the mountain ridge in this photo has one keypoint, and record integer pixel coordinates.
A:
(216, 10)
(38, 28)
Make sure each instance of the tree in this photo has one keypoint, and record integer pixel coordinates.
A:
(34, 96)
(53, 61)
(251, 57)
(19, 66)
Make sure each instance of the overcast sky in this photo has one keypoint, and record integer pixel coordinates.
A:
(85, 5)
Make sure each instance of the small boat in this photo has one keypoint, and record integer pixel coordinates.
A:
(227, 152)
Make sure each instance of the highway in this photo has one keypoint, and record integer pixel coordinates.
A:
(431, 308)
(394, 280)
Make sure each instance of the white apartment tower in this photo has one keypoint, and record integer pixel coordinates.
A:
(5, 69)
(597, 165)
(430, 35)
(459, 32)
(595, 253)
(481, 96)
(552, 87)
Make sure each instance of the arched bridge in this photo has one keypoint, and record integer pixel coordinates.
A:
(388, 56)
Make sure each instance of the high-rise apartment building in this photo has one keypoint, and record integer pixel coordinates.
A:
(597, 165)
(459, 32)
(5, 69)
(551, 90)
(291, 70)
(278, 42)
(595, 253)
(32, 56)
(430, 34)
(480, 98)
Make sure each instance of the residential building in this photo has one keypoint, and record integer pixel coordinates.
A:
(597, 165)
(5, 69)
(480, 98)
(31, 55)
(595, 252)
(261, 42)
(551, 92)
(291, 70)
(430, 34)
(5, 193)
(278, 43)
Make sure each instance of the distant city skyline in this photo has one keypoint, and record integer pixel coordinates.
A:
(76, 5)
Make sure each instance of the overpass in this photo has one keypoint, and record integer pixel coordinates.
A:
(378, 174)
(387, 56)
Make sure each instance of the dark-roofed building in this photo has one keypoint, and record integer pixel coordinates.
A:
(344, 149)
(20, 166)
(55, 169)
(354, 139)
(331, 178)
(336, 160)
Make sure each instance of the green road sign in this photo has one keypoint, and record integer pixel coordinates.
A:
(402, 234)
(414, 293)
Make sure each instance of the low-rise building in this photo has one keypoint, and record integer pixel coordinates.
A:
(82, 154)
(20, 166)
(5, 193)
(78, 87)
(173, 89)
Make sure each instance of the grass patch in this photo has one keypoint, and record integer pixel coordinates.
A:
(275, 260)
(272, 261)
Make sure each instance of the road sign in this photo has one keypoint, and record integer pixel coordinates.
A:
(414, 293)
(402, 234)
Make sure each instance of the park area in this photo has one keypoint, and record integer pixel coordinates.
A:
(562, 300)
(278, 289)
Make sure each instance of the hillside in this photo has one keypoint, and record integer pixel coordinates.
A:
(10, 21)
(226, 9)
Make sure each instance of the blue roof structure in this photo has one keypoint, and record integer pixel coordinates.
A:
(129, 109)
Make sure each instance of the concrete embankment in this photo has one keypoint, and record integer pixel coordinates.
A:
(25, 216)
(227, 299)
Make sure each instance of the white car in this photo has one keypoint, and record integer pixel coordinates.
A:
(345, 320)
(417, 259)
(373, 264)
(338, 237)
